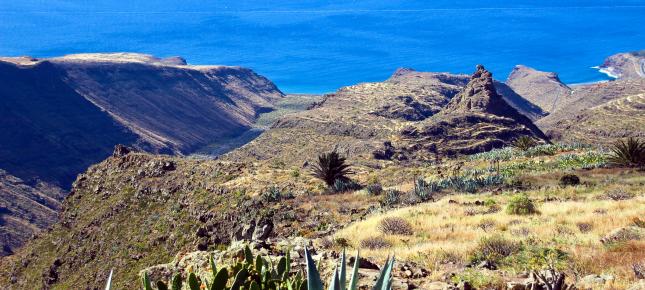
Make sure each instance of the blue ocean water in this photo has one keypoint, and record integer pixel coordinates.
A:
(318, 46)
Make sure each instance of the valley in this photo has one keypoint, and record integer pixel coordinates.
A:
(485, 182)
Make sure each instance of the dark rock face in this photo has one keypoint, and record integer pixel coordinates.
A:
(475, 120)
(61, 115)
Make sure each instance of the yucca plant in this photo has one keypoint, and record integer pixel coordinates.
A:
(524, 143)
(331, 167)
(630, 152)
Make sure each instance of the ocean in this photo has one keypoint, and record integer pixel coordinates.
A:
(319, 46)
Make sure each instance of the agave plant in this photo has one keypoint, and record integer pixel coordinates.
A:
(257, 273)
(339, 277)
(628, 153)
(108, 284)
(524, 143)
(331, 167)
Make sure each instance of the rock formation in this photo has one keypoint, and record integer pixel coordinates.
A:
(477, 119)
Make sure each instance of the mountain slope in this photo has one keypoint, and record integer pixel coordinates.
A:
(541, 88)
(561, 124)
(60, 115)
(25, 210)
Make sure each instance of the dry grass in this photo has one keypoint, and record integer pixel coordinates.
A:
(444, 232)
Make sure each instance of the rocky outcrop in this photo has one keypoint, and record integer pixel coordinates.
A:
(541, 88)
(628, 65)
(477, 119)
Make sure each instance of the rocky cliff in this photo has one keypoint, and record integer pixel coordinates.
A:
(60, 115)
(628, 65)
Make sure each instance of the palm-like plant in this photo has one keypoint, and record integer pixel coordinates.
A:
(524, 143)
(331, 167)
(630, 152)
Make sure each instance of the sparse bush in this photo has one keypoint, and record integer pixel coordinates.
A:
(584, 227)
(395, 226)
(341, 242)
(374, 243)
(569, 180)
(521, 204)
(630, 152)
(494, 249)
(532, 257)
(486, 224)
(273, 194)
(638, 222)
(617, 194)
(391, 197)
(374, 189)
(331, 167)
(479, 280)
(524, 143)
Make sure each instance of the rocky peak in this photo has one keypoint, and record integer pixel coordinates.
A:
(479, 96)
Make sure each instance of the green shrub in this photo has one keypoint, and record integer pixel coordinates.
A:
(569, 180)
(273, 194)
(331, 167)
(630, 152)
(521, 204)
(424, 190)
(345, 186)
(524, 143)
(374, 189)
(391, 197)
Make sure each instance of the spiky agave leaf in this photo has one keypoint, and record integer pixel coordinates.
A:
(219, 282)
(146, 281)
(342, 274)
(193, 283)
(313, 277)
(385, 277)
(108, 284)
(334, 284)
(331, 167)
(353, 283)
(176, 282)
